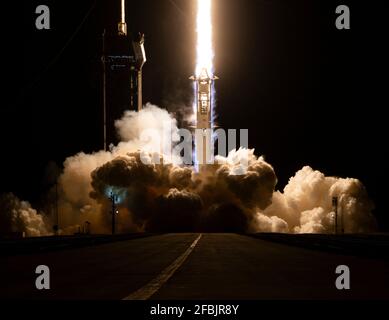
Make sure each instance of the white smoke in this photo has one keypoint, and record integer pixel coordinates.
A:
(151, 130)
(306, 204)
(76, 205)
(236, 194)
(18, 217)
(264, 223)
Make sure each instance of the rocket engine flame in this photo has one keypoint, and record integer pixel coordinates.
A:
(204, 38)
(203, 106)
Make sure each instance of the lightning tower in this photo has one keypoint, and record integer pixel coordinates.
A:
(123, 59)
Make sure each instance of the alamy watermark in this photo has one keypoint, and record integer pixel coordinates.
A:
(342, 22)
(343, 280)
(192, 147)
(42, 21)
(43, 280)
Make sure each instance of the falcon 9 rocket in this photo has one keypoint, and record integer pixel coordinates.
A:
(203, 84)
(204, 123)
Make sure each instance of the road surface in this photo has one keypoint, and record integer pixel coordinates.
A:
(217, 266)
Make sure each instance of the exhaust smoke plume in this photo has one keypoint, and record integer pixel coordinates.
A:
(167, 197)
(18, 217)
(225, 197)
(306, 204)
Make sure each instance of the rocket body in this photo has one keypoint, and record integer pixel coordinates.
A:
(203, 85)
(204, 126)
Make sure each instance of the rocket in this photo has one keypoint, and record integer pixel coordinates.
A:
(204, 126)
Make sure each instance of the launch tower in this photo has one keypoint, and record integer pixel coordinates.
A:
(123, 59)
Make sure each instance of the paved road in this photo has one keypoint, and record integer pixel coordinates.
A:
(220, 266)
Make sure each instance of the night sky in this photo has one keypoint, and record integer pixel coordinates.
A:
(308, 93)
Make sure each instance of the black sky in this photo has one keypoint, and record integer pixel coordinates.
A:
(308, 93)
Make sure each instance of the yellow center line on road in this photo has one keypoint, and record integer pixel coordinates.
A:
(154, 285)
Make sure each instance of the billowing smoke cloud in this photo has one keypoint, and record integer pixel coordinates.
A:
(78, 203)
(167, 197)
(306, 204)
(263, 223)
(225, 197)
(18, 217)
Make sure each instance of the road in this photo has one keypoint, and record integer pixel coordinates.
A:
(218, 266)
